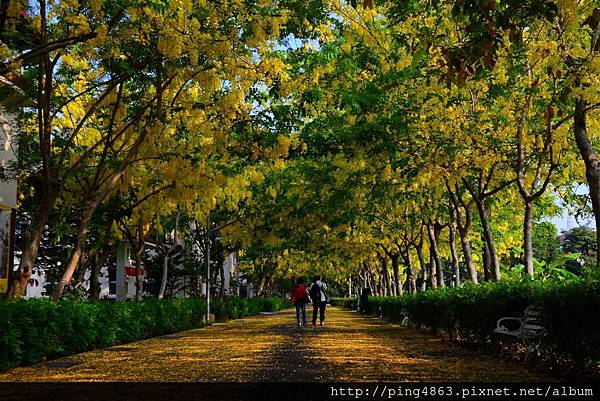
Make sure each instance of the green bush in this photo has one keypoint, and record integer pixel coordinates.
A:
(571, 312)
(344, 302)
(37, 329)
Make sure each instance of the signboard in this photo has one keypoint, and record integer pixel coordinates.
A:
(5, 246)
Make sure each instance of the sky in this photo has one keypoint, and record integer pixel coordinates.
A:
(567, 221)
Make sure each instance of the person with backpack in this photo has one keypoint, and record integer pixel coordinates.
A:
(318, 294)
(299, 300)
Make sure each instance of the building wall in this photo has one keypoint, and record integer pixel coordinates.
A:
(8, 193)
(121, 286)
(8, 155)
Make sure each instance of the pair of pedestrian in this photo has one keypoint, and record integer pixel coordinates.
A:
(317, 294)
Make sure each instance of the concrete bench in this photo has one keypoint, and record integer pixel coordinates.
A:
(403, 312)
(528, 329)
(405, 317)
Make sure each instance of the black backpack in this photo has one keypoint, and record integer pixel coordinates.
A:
(315, 293)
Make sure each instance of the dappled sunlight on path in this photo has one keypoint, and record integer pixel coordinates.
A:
(223, 352)
(350, 347)
(359, 348)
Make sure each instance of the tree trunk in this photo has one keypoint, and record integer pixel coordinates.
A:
(163, 280)
(264, 281)
(84, 264)
(397, 278)
(261, 285)
(387, 290)
(167, 254)
(422, 265)
(267, 286)
(486, 260)
(410, 276)
(139, 283)
(432, 282)
(463, 227)
(592, 165)
(527, 238)
(370, 283)
(78, 251)
(221, 262)
(21, 277)
(489, 239)
(468, 254)
(455, 265)
(433, 236)
(215, 274)
(97, 262)
(221, 278)
(437, 230)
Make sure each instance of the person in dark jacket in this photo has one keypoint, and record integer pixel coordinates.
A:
(319, 298)
(299, 300)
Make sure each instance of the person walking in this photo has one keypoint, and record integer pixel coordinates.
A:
(299, 300)
(318, 294)
(364, 300)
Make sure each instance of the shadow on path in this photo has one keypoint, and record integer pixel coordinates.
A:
(363, 348)
(271, 348)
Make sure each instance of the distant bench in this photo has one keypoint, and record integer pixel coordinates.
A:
(529, 328)
(405, 317)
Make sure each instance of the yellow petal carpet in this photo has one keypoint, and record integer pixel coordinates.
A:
(350, 347)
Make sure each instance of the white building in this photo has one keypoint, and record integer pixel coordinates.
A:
(11, 98)
(119, 282)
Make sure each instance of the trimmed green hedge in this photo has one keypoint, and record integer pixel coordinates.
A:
(37, 329)
(571, 312)
(233, 308)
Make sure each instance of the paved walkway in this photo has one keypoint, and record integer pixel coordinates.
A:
(350, 347)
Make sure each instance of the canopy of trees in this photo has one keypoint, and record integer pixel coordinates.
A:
(399, 145)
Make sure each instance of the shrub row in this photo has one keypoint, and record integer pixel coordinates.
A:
(37, 329)
(571, 312)
(234, 308)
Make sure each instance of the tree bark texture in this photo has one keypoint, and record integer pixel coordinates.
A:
(78, 251)
(527, 238)
(422, 265)
(432, 282)
(434, 232)
(484, 216)
(455, 265)
(35, 233)
(592, 165)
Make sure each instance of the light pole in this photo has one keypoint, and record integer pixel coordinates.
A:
(208, 269)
